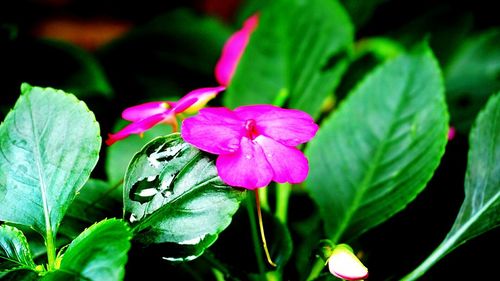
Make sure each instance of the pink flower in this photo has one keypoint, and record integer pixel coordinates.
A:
(345, 265)
(233, 50)
(147, 115)
(255, 143)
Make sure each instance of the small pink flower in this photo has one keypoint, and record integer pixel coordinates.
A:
(345, 265)
(255, 143)
(147, 115)
(233, 50)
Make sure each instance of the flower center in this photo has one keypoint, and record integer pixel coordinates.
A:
(251, 129)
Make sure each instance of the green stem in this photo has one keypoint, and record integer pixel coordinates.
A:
(51, 249)
(318, 266)
(264, 203)
(255, 237)
(219, 276)
(283, 192)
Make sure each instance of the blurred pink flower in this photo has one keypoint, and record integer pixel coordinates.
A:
(147, 115)
(233, 50)
(255, 143)
(452, 132)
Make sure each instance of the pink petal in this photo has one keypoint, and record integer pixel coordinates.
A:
(137, 127)
(193, 101)
(214, 130)
(233, 50)
(142, 111)
(290, 127)
(451, 133)
(288, 163)
(246, 168)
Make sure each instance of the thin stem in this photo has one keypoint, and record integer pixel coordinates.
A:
(189, 270)
(219, 276)
(283, 191)
(261, 228)
(263, 195)
(318, 266)
(220, 271)
(255, 239)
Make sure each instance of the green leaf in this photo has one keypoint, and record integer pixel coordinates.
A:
(118, 155)
(96, 201)
(299, 48)
(381, 147)
(14, 250)
(49, 144)
(20, 275)
(361, 11)
(472, 76)
(100, 252)
(173, 195)
(480, 210)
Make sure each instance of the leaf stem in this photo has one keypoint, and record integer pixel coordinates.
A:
(283, 192)
(318, 266)
(51, 249)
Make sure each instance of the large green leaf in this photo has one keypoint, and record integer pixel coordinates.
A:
(14, 250)
(99, 253)
(174, 196)
(377, 152)
(472, 76)
(480, 210)
(299, 48)
(49, 144)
